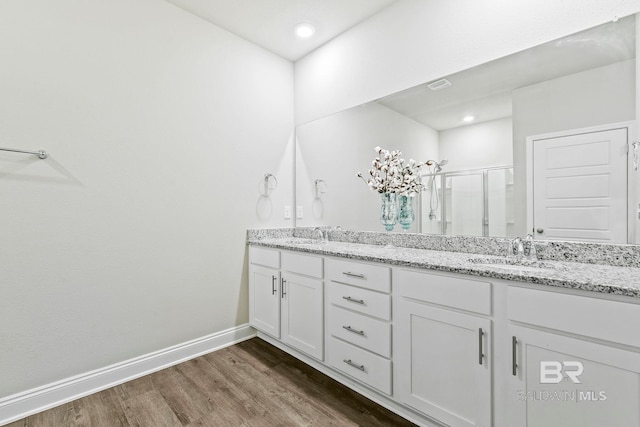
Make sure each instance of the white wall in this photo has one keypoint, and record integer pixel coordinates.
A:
(416, 41)
(594, 97)
(131, 237)
(482, 145)
(336, 147)
(637, 134)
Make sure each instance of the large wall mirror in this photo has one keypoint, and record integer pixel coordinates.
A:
(478, 126)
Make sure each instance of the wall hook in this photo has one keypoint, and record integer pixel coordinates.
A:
(320, 188)
(270, 183)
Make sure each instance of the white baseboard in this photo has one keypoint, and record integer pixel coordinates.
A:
(18, 406)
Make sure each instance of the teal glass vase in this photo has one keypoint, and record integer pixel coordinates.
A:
(389, 210)
(406, 214)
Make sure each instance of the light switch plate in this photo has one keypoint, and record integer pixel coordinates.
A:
(299, 212)
(287, 212)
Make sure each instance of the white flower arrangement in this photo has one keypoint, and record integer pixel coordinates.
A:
(390, 173)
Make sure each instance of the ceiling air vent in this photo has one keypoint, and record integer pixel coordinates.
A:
(439, 84)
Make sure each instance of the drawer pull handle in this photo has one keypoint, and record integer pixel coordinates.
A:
(514, 356)
(480, 353)
(273, 285)
(358, 275)
(355, 331)
(350, 363)
(357, 301)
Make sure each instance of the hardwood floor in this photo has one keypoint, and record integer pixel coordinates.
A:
(249, 384)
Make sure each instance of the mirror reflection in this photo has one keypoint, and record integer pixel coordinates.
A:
(475, 126)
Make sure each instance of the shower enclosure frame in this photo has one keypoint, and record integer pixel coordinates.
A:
(484, 174)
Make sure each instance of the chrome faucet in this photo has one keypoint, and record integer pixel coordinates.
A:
(317, 234)
(320, 235)
(522, 248)
(529, 248)
(516, 248)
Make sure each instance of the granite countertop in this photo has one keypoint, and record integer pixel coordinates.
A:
(608, 279)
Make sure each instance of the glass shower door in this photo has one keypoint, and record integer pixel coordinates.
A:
(500, 218)
(469, 203)
(464, 204)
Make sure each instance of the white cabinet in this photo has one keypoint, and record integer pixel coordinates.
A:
(442, 359)
(451, 349)
(567, 382)
(286, 301)
(367, 332)
(302, 308)
(365, 366)
(264, 290)
(264, 300)
(358, 322)
(562, 371)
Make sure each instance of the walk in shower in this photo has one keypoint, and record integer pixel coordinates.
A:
(476, 202)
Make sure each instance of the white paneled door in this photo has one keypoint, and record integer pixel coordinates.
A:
(580, 187)
(302, 312)
(442, 367)
(264, 300)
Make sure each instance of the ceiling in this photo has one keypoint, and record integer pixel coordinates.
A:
(270, 23)
(485, 91)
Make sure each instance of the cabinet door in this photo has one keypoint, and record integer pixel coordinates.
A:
(569, 382)
(264, 300)
(302, 314)
(441, 363)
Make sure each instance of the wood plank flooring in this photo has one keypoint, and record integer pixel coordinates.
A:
(251, 384)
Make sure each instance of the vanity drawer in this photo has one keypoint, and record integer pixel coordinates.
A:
(614, 321)
(307, 265)
(367, 367)
(360, 300)
(368, 276)
(370, 334)
(265, 257)
(466, 294)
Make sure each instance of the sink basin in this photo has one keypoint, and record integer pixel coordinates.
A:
(513, 264)
(300, 241)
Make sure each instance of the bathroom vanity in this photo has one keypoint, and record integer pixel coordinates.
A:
(456, 337)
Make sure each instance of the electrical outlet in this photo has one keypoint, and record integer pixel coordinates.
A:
(299, 212)
(287, 212)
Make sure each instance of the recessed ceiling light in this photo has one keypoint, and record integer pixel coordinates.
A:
(305, 30)
(468, 119)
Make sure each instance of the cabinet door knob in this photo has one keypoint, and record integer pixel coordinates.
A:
(539, 230)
